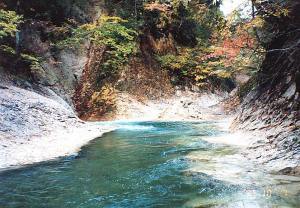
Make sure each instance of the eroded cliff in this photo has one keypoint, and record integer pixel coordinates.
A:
(271, 111)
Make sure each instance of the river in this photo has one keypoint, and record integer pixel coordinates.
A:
(150, 164)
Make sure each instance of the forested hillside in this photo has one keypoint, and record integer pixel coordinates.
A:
(168, 44)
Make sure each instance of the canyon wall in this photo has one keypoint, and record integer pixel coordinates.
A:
(272, 110)
(35, 102)
(60, 69)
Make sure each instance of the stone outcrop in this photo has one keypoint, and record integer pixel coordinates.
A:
(271, 111)
(60, 70)
(36, 105)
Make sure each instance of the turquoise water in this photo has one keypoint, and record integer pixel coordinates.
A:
(149, 164)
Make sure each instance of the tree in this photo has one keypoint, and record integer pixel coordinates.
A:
(108, 31)
(9, 21)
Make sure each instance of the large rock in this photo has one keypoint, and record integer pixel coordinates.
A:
(272, 110)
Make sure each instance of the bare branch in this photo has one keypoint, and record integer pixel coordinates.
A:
(284, 49)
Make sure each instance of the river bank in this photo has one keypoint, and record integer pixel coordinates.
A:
(183, 105)
(48, 147)
(37, 125)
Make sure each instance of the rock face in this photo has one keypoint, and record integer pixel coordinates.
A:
(272, 110)
(36, 107)
(34, 102)
(38, 125)
(28, 110)
(60, 70)
(141, 77)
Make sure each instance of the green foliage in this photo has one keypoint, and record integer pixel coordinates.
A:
(33, 61)
(8, 50)
(9, 21)
(188, 64)
(180, 65)
(110, 32)
(190, 34)
(196, 27)
(185, 26)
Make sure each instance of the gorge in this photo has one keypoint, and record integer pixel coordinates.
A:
(149, 104)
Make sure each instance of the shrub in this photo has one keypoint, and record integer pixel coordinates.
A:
(105, 98)
(194, 65)
(9, 21)
(33, 61)
(110, 32)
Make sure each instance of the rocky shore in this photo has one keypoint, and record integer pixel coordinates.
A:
(274, 127)
(184, 105)
(271, 111)
(37, 125)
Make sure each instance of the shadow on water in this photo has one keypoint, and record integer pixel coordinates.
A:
(149, 164)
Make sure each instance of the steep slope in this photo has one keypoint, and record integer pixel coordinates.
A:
(36, 107)
(59, 69)
(272, 110)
